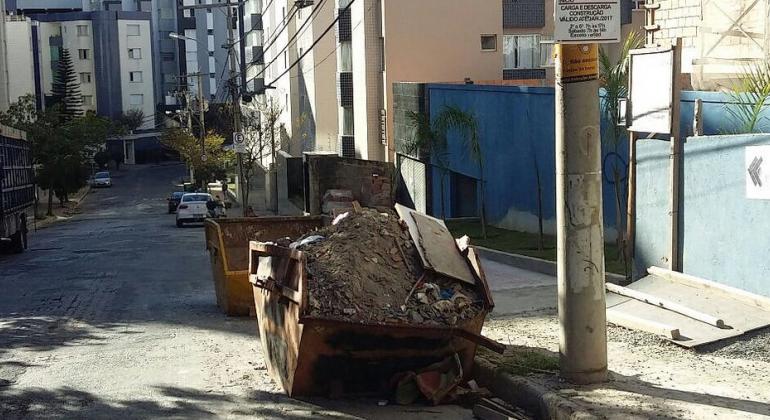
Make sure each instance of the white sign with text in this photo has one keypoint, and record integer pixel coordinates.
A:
(586, 21)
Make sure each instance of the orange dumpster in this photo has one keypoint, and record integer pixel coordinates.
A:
(309, 355)
(227, 241)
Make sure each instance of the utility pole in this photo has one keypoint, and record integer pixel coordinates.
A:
(201, 115)
(580, 238)
(236, 103)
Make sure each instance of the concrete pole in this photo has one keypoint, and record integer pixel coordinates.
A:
(580, 238)
(201, 114)
(236, 104)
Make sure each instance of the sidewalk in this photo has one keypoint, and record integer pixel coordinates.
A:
(650, 377)
(70, 208)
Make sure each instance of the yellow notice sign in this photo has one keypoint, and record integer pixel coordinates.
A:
(579, 62)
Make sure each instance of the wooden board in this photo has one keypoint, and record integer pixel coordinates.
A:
(436, 246)
(739, 316)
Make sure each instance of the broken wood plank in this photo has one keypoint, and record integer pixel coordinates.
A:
(633, 322)
(666, 304)
(762, 302)
(441, 250)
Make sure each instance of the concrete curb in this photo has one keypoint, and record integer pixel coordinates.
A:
(47, 222)
(534, 264)
(528, 394)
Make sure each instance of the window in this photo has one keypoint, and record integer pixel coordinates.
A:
(85, 78)
(135, 76)
(135, 53)
(521, 52)
(488, 42)
(347, 121)
(285, 59)
(167, 56)
(82, 30)
(136, 99)
(84, 54)
(546, 54)
(346, 57)
(88, 100)
(133, 30)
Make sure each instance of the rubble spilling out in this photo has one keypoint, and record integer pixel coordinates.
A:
(365, 268)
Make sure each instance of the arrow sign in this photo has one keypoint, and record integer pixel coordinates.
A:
(755, 171)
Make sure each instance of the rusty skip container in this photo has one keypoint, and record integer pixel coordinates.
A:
(227, 241)
(308, 356)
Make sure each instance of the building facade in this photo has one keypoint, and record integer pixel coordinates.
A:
(111, 53)
(4, 96)
(19, 42)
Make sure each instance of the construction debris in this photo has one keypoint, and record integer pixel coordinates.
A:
(367, 269)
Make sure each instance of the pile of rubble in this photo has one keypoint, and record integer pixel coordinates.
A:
(366, 268)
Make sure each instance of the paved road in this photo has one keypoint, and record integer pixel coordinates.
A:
(112, 315)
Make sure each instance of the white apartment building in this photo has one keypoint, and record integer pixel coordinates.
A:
(112, 56)
(338, 96)
(21, 81)
(4, 98)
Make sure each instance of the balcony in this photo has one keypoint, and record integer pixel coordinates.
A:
(345, 89)
(524, 13)
(257, 55)
(344, 26)
(347, 146)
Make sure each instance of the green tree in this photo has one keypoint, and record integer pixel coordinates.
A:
(66, 89)
(431, 137)
(217, 161)
(129, 121)
(750, 97)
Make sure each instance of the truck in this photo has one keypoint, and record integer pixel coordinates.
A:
(17, 188)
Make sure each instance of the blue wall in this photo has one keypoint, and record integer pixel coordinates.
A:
(516, 128)
(517, 123)
(725, 236)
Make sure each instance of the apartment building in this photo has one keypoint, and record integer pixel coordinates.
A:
(204, 46)
(165, 55)
(19, 46)
(4, 97)
(335, 98)
(111, 53)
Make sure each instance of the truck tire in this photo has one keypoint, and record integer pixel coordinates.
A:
(18, 242)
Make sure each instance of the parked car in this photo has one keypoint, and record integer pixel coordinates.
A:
(101, 179)
(192, 208)
(173, 200)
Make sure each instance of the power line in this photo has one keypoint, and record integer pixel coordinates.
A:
(333, 50)
(296, 34)
(323, 34)
(273, 41)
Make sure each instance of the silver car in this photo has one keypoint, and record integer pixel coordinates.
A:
(101, 179)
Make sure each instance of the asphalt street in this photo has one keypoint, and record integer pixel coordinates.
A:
(112, 315)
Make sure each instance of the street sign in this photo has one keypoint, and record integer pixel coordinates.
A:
(239, 143)
(758, 172)
(586, 21)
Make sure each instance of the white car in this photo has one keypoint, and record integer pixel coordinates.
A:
(101, 179)
(192, 208)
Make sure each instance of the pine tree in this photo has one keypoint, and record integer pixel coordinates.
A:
(66, 88)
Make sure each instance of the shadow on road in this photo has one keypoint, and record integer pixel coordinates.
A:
(67, 403)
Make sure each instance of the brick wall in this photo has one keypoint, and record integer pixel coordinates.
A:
(679, 18)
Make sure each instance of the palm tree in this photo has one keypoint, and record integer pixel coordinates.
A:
(431, 137)
(613, 77)
(750, 97)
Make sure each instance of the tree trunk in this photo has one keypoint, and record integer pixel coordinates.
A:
(50, 202)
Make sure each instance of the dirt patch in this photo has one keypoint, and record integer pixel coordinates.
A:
(365, 269)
